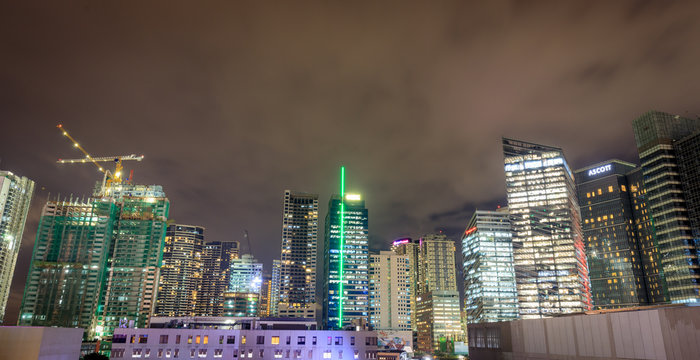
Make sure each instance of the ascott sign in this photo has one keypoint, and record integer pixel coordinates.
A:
(600, 170)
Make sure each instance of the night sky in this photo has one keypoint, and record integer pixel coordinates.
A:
(234, 102)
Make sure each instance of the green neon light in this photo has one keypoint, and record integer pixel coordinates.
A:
(342, 243)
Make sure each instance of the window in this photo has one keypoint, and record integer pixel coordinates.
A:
(119, 339)
(260, 340)
(278, 354)
(198, 339)
(168, 353)
(262, 353)
(275, 340)
(340, 354)
(286, 355)
(339, 340)
(176, 353)
(357, 354)
(192, 351)
(218, 353)
(330, 340)
(202, 353)
(297, 354)
(327, 354)
(206, 339)
(143, 339)
(133, 339)
(160, 353)
(289, 340)
(250, 353)
(221, 339)
(235, 352)
(163, 339)
(117, 353)
(242, 339)
(136, 353)
(371, 340)
(189, 340)
(301, 340)
(231, 339)
(352, 340)
(313, 340)
(177, 339)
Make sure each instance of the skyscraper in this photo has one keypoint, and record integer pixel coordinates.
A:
(612, 247)
(15, 197)
(437, 306)
(655, 134)
(346, 262)
(410, 248)
(297, 291)
(390, 291)
(275, 287)
(243, 294)
(548, 250)
(95, 263)
(181, 271)
(489, 278)
(216, 276)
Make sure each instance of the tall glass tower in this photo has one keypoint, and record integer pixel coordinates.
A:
(297, 291)
(656, 133)
(489, 279)
(548, 250)
(346, 261)
(15, 196)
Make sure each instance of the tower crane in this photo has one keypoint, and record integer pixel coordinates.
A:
(110, 178)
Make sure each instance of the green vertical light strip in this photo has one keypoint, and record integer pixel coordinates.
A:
(342, 244)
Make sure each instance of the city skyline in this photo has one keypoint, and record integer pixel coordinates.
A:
(422, 161)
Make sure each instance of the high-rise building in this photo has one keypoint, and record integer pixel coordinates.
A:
(216, 271)
(96, 262)
(656, 133)
(688, 153)
(346, 262)
(265, 292)
(410, 248)
(548, 250)
(275, 287)
(243, 295)
(613, 251)
(489, 278)
(15, 196)
(437, 306)
(181, 271)
(390, 291)
(297, 291)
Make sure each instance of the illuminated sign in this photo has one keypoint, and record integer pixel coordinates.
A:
(353, 197)
(469, 231)
(534, 164)
(600, 170)
(402, 241)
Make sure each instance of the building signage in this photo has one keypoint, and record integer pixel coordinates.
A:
(600, 170)
(534, 164)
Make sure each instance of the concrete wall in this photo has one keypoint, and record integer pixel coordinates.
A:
(670, 333)
(42, 343)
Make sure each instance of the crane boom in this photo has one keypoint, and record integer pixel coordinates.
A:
(103, 159)
(77, 145)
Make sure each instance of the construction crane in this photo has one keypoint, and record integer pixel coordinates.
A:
(110, 178)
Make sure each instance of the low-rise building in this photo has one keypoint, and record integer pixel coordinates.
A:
(40, 343)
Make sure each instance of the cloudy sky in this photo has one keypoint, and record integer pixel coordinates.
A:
(234, 102)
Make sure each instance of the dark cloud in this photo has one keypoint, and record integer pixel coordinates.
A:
(233, 102)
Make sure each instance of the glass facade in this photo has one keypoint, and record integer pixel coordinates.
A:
(216, 276)
(348, 268)
(489, 278)
(655, 133)
(548, 250)
(15, 197)
(614, 256)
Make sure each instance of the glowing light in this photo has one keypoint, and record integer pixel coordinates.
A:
(470, 230)
(342, 244)
(353, 197)
(403, 241)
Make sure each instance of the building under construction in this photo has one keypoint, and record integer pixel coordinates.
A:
(95, 261)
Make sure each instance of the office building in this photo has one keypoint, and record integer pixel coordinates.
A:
(614, 260)
(216, 271)
(265, 292)
(15, 197)
(181, 271)
(297, 288)
(389, 291)
(410, 248)
(438, 305)
(655, 134)
(242, 297)
(96, 262)
(548, 250)
(489, 278)
(346, 262)
(687, 152)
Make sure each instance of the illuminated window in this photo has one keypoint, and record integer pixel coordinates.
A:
(197, 339)
(243, 339)
(206, 339)
(600, 191)
(623, 187)
(610, 188)
(275, 340)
